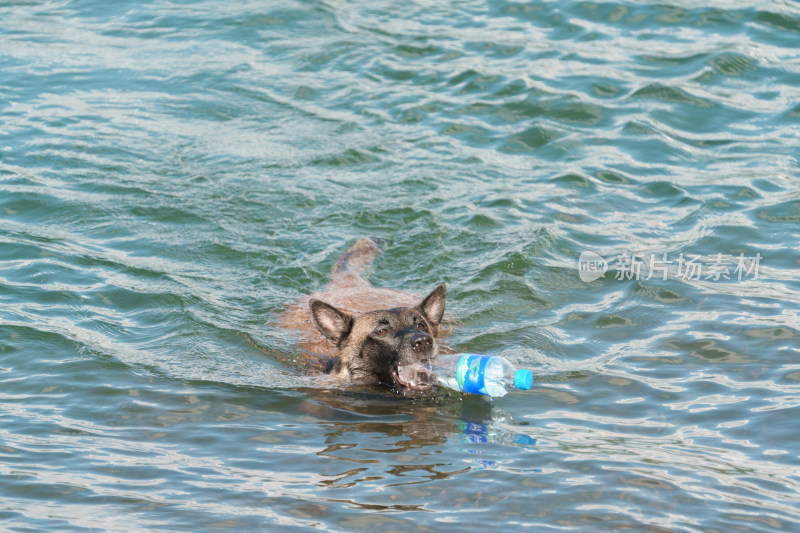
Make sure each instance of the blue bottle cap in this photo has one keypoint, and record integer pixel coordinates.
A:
(523, 379)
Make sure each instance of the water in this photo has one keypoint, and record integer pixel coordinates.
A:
(173, 173)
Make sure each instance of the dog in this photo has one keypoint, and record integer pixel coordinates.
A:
(366, 335)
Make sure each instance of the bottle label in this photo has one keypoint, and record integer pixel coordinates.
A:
(471, 373)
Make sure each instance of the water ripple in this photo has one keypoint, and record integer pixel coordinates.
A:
(172, 175)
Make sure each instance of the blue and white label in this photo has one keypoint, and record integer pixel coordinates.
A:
(471, 373)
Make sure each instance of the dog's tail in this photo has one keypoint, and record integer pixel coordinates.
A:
(357, 259)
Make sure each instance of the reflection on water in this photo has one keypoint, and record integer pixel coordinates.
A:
(411, 426)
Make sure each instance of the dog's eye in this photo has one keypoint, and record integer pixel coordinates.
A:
(381, 332)
(421, 326)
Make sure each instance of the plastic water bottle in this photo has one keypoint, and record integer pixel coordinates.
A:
(491, 375)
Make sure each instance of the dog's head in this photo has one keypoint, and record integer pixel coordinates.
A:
(376, 347)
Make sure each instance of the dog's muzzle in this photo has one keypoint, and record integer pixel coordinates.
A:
(421, 342)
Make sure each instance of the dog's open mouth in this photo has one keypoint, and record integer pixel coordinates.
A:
(415, 377)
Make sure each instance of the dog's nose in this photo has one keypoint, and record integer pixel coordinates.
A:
(421, 341)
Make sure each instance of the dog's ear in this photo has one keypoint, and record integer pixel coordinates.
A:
(433, 304)
(334, 324)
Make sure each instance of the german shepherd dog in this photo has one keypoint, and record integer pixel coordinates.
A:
(368, 335)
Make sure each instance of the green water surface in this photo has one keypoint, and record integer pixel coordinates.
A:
(173, 173)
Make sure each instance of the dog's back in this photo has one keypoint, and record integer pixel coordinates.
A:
(348, 291)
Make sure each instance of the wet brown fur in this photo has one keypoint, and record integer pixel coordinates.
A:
(348, 314)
